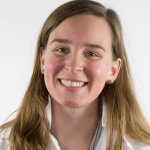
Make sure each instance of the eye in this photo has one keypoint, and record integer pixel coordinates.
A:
(61, 50)
(92, 55)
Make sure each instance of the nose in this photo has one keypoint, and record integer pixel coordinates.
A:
(74, 63)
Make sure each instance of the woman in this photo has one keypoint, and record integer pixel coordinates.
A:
(80, 95)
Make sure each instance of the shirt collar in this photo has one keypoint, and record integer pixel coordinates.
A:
(103, 123)
(49, 110)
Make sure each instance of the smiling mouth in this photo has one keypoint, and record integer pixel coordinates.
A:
(69, 83)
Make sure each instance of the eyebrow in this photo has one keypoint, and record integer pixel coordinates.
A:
(61, 41)
(86, 44)
(94, 46)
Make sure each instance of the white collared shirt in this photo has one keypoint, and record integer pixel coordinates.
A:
(99, 141)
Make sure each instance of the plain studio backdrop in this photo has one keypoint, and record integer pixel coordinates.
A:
(20, 24)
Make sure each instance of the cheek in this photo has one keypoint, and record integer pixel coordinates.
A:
(52, 65)
(52, 68)
(99, 71)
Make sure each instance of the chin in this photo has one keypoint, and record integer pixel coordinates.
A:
(72, 104)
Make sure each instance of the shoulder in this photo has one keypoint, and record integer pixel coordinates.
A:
(129, 144)
(4, 136)
(134, 145)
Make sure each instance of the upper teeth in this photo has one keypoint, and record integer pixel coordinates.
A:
(72, 84)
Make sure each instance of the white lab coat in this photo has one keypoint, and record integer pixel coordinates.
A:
(99, 140)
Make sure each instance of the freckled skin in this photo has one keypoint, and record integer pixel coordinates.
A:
(76, 63)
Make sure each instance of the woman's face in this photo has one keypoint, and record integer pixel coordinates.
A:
(77, 60)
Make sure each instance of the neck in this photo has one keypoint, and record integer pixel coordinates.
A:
(77, 124)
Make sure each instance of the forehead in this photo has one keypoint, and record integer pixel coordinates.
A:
(83, 28)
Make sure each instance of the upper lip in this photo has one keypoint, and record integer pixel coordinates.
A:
(73, 80)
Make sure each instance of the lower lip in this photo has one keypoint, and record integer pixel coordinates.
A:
(71, 88)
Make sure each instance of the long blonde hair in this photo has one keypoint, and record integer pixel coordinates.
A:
(30, 129)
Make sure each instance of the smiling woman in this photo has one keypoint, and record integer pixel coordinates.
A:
(80, 95)
(79, 52)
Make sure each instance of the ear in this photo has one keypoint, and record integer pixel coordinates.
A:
(42, 57)
(114, 71)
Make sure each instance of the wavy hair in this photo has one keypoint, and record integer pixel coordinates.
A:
(30, 128)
